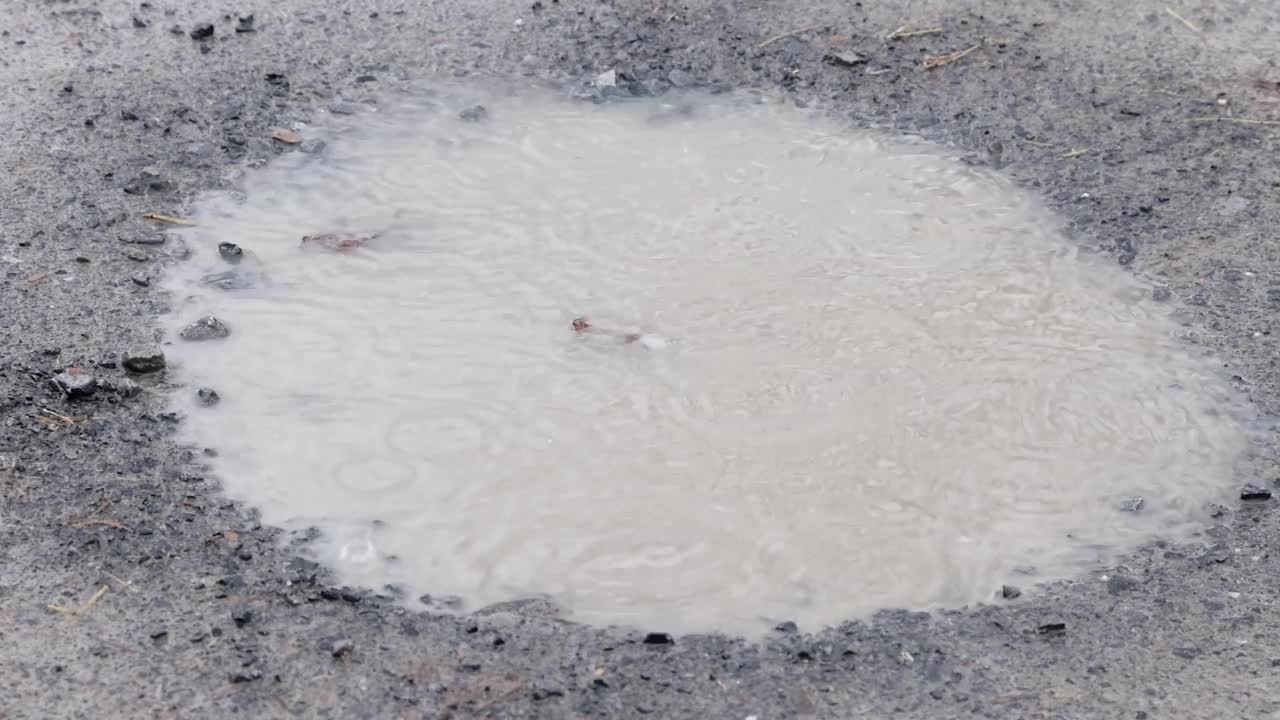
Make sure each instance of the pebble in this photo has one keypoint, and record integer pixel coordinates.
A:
(207, 397)
(75, 383)
(1010, 592)
(312, 147)
(245, 24)
(339, 647)
(785, 627)
(246, 675)
(206, 328)
(124, 387)
(242, 616)
(153, 238)
(137, 255)
(679, 78)
(344, 108)
(1052, 629)
(844, 59)
(202, 31)
(444, 602)
(1255, 492)
(139, 22)
(143, 359)
(1118, 584)
(141, 280)
(476, 113)
(658, 638)
(1161, 294)
(230, 252)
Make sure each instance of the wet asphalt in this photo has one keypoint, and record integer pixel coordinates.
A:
(1143, 124)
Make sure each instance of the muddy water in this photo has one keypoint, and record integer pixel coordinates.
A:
(866, 376)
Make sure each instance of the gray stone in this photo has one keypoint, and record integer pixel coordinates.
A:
(150, 238)
(75, 383)
(202, 31)
(1131, 505)
(680, 78)
(1161, 294)
(137, 255)
(1010, 592)
(475, 113)
(1255, 492)
(143, 359)
(207, 397)
(844, 59)
(338, 647)
(206, 328)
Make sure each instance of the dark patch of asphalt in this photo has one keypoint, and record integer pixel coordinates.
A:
(114, 109)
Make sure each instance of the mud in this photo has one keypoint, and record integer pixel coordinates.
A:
(1138, 125)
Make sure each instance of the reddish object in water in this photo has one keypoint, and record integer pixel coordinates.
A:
(581, 324)
(338, 242)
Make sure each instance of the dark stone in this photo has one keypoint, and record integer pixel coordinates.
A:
(230, 252)
(844, 59)
(202, 31)
(76, 384)
(148, 181)
(1118, 584)
(786, 627)
(139, 22)
(542, 691)
(207, 397)
(206, 328)
(1161, 294)
(124, 387)
(242, 616)
(474, 114)
(1188, 653)
(245, 24)
(143, 359)
(141, 280)
(1010, 592)
(176, 29)
(278, 79)
(658, 638)
(1273, 296)
(1131, 505)
(1052, 629)
(158, 633)
(1255, 492)
(366, 78)
(338, 647)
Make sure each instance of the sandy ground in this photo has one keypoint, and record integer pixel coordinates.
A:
(1144, 125)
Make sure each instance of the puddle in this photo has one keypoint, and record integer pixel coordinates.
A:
(868, 376)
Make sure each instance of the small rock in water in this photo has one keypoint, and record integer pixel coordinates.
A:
(1131, 505)
(141, 280)
(786, 627)
(228, 280)
(143, 360)
(206, 328)
(1010, 592)
(75, 383)
(475, 113)
(658, 638)
(344, 108)
(905, 658)
(137, 255)
(230, 252)
(245, 24)
(207, 397)
(124, 387)
(1255, 492)
(1161, 294)
(312, 147)
(340, 242)
(202, 31)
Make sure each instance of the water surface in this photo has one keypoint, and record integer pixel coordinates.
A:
(868, 375)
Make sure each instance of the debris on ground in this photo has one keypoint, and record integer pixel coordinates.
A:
(75, 383)
(340, 242)
(166, 218)
(1255, 492)
(947, 59)
(230, 252)
(143, 359)
(286, 136)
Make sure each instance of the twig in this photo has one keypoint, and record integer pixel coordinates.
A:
(1174, 14)
(1073, 153)
(166, 218)
(83, 608)
(785, 35)
(1244, 121)
(96, 521)
(63, 418)
(939, 61)
(902, 33)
